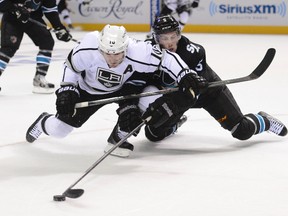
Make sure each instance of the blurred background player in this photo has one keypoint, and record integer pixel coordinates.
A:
(64, 11)
(181, 7)
(15, 22)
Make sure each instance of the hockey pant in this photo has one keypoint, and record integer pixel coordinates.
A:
(156, 134)
(12, 32)
(221, 105)
(59, 126)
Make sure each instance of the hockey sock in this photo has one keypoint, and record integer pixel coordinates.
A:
(4, 60)
(43, 61)
(261, 123)
(56, 128)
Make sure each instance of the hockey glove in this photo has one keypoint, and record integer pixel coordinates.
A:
(85, 2)
(63, 34)
(182, 8)
(22, 13)
(195, 4)
(129, 117)
(67, 96)
(190, 83)
(160, 111)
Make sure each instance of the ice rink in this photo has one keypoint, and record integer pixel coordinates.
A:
(199, 171)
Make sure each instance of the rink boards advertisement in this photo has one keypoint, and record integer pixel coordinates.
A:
(262, 16)
(217, 16)
(258, 16)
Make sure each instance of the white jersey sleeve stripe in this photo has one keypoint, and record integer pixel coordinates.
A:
(173, 55)
(144, 63)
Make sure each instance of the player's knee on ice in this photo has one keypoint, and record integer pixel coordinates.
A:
(244, 129)
(157, 134)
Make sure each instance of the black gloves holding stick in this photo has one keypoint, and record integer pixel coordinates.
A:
(129, 117)
(165, 107)
(63, 34)
(67, 97)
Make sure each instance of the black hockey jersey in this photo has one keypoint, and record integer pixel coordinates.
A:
(38, 8)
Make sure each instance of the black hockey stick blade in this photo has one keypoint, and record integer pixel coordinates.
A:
(76, 193)
(264, 64)
(258, 71)
(73, 193)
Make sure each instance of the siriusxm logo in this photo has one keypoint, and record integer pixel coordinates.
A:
(260, 9)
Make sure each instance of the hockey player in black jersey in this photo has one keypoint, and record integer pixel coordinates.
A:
(217, 101)
(15, 22)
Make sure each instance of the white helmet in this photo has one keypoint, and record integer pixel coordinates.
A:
(113, 39)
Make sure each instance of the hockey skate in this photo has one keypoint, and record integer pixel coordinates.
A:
(70, 26)
(276, 126)
(124, 149)
(181, 121)
(41, 86)
(36, 129)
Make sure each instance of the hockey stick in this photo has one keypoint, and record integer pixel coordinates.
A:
(259, 70)
(49, 29)
(75, 193)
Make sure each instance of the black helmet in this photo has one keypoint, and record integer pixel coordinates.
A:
(165, 24)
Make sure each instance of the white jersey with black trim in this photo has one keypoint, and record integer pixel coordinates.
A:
(174, 4)
(86, 65)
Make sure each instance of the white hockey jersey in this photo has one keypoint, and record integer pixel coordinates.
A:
(87, 67)
(174, 4)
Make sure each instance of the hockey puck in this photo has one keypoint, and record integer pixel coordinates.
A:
(59, 198)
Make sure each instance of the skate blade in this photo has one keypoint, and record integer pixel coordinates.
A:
(118, 152)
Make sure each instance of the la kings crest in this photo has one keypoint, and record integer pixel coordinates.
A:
(108, 78)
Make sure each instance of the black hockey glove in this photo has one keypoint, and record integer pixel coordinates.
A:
(67, 96)
(182, 8)
(63, 34)
(129, 117)
(160, 111)
(195, 4)
(190, 83)
(21, 13)
(86, 2)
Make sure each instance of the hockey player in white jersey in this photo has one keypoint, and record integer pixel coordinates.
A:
(106, 64)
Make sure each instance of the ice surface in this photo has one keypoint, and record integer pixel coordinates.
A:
(200, 171)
